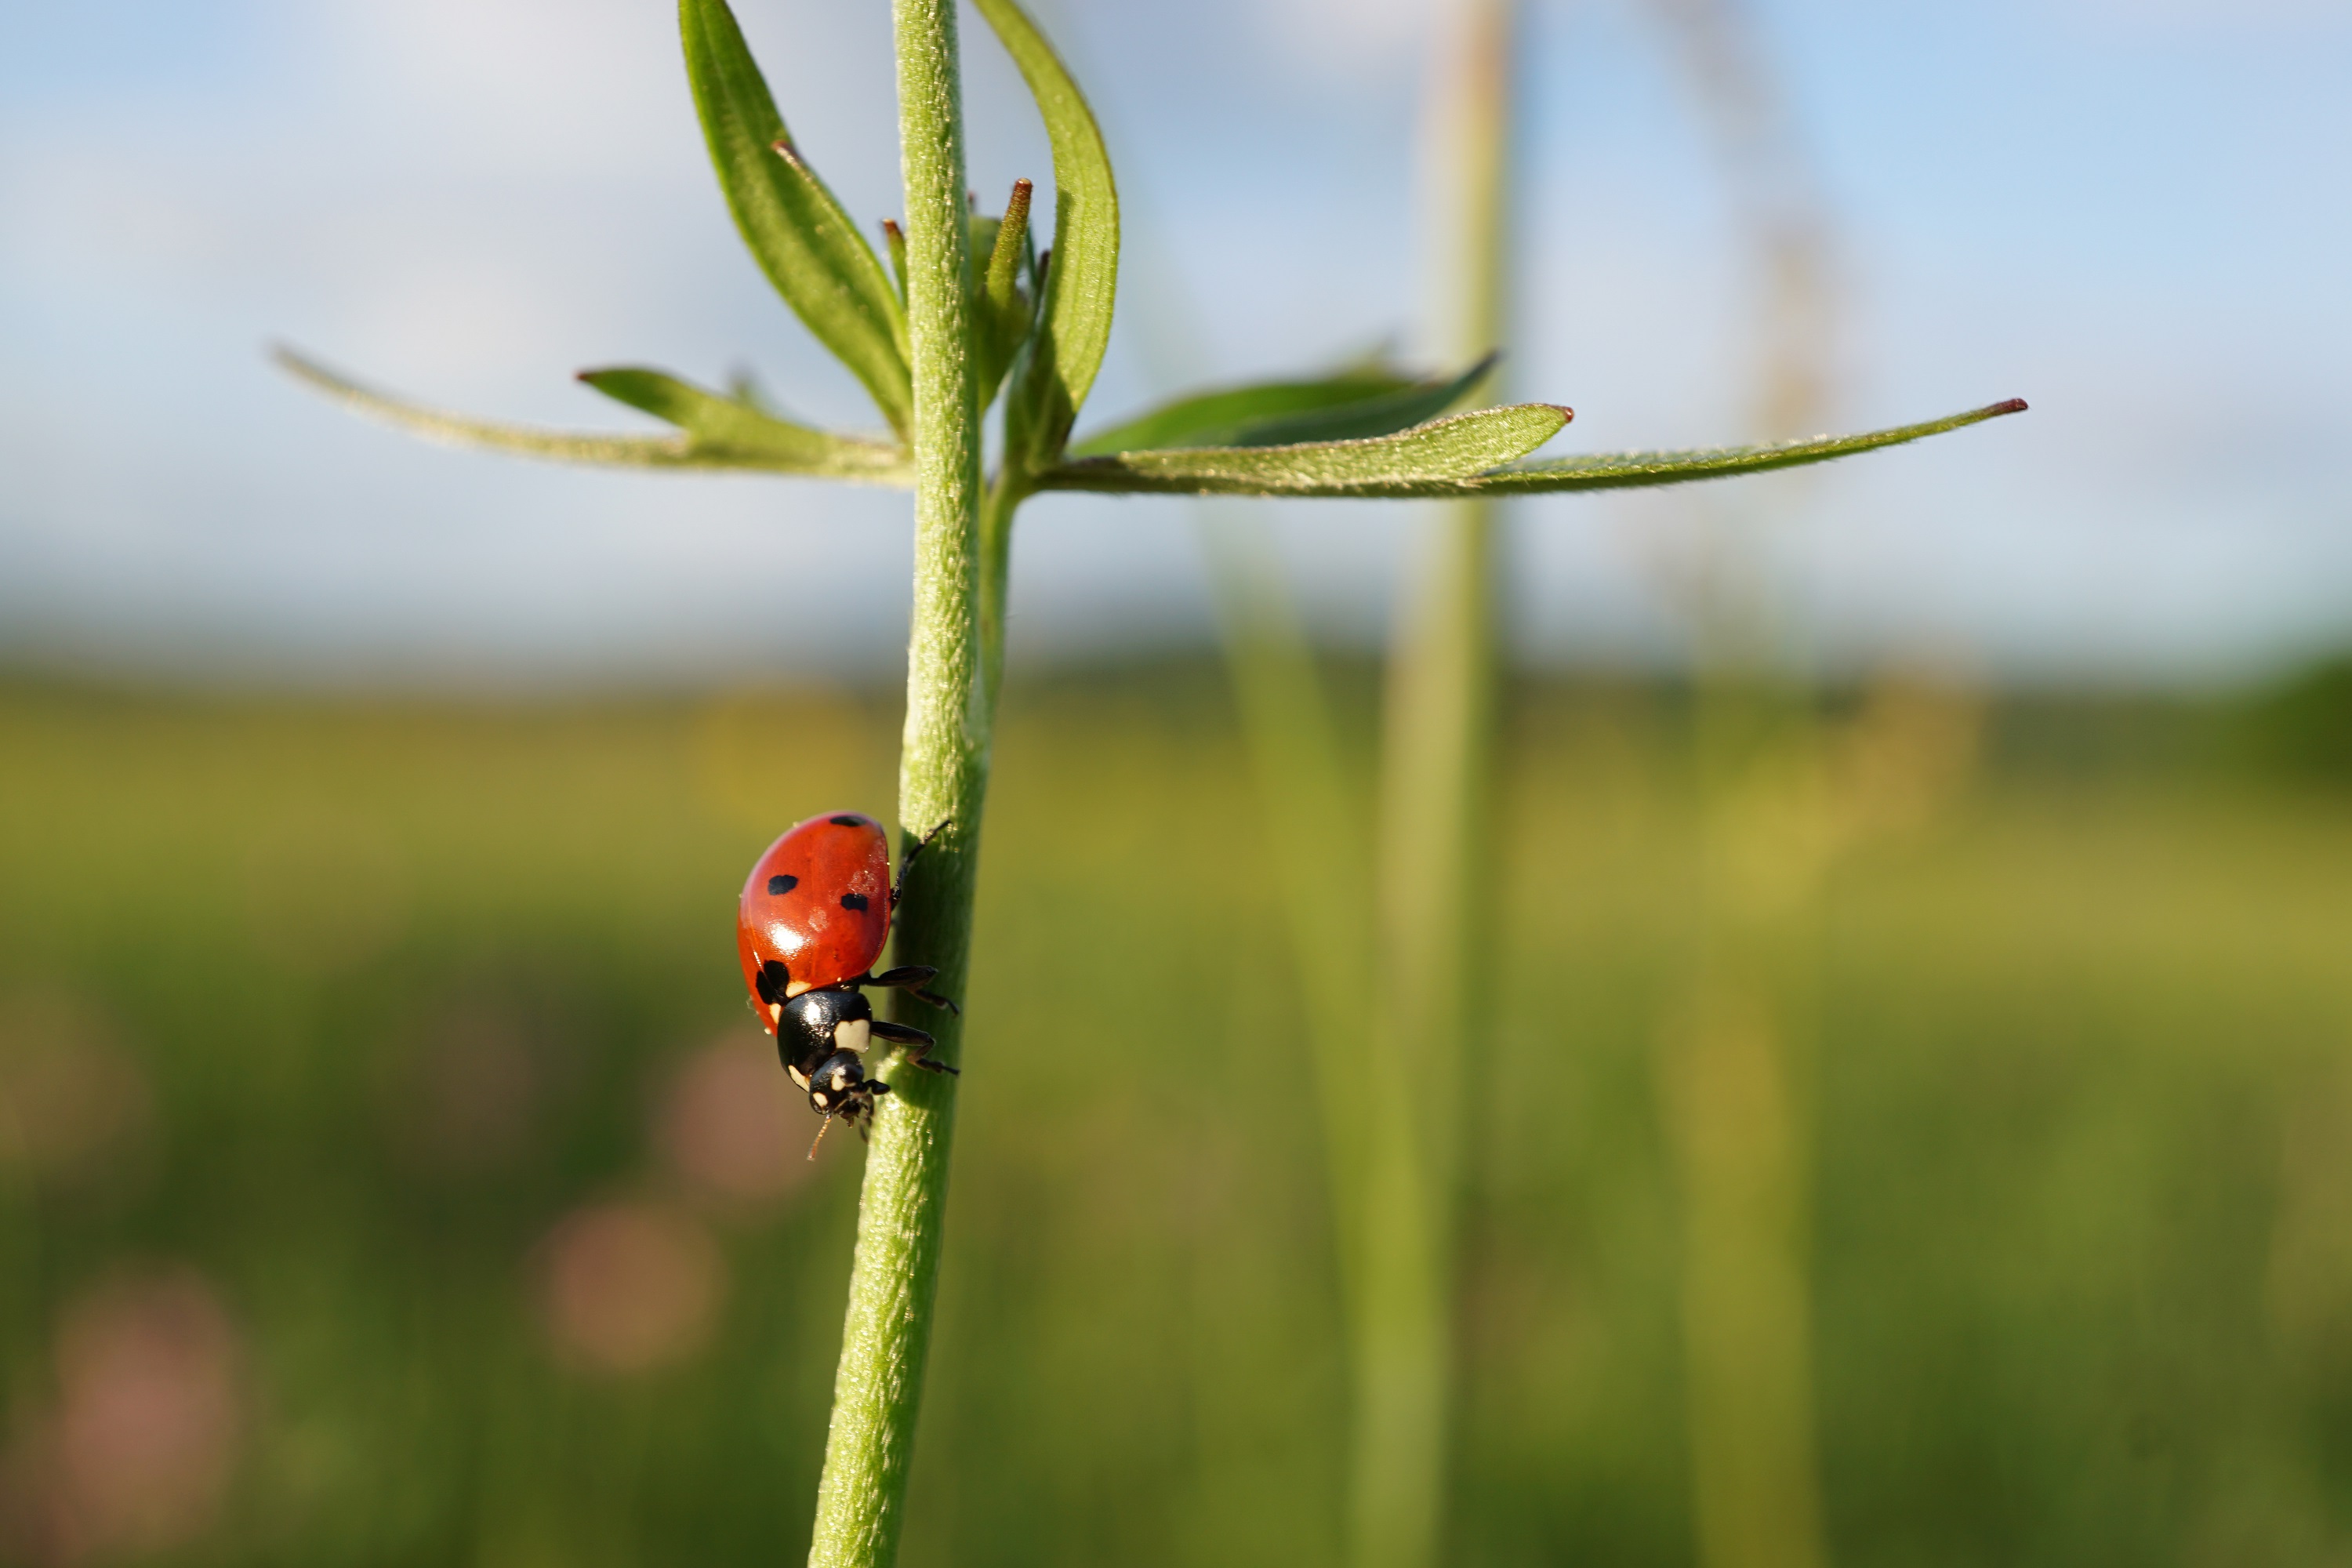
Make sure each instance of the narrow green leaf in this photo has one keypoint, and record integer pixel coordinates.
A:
(719, 424)
(1140, 472)
(1009, 254)
(1001, 313)
(1353, 405)
(867, 462)
(798, 232)
(1622, 471)
(1443, 451)
(1380, 415)
(894, 238)
(1217, 418)
(1051, 381)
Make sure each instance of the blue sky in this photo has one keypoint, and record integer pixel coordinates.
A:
(2134, 214)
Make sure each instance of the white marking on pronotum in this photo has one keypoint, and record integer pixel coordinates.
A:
(800, 1079)
(852, 1035)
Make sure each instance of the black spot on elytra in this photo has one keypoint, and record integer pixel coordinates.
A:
(779, 885)
(849, 822)
(853, 901)
(774, 978)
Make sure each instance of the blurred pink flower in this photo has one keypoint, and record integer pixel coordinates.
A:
(145, 1436)
(71, 1100)
(723, 1124)
(629, 1286)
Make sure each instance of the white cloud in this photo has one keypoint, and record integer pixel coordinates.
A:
(1349, 41)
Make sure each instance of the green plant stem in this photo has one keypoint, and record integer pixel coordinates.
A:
(943, 772)
(1436, 770)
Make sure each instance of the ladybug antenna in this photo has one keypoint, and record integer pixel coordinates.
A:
(823, 1128)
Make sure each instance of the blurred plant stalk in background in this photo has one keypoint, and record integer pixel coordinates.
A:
(1736, 1053)
(1388, 960)
(1435, 863)
(1780, 795)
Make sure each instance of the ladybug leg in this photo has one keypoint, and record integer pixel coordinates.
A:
(917, 1044)
(910, 978)
(920, 845)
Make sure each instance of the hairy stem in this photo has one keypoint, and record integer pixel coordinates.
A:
(942, 778)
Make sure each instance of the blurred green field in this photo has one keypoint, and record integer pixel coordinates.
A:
(390, 1172)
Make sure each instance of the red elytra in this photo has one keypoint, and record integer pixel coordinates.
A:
(818, 902)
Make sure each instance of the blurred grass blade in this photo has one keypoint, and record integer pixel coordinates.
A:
(725, 424)
(1053, 379)
(1351, 405)
(1446, 451)
(869, 462)
(1614, 470)
(801, 236)
(1227, 471)
(1315, 830)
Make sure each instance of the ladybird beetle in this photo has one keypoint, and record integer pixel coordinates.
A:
(815, 915)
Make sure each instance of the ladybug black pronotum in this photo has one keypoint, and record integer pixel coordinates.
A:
(815, 915)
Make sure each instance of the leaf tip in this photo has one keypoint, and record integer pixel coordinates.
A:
(2012, 405)
(303, 367)
(1563, 410)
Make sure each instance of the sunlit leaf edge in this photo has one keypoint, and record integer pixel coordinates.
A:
(1442, 451)
(715, 422)
(1611, 471)
(854, 460)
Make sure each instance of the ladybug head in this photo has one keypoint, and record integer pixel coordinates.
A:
(840, 1088)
